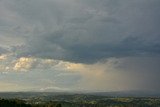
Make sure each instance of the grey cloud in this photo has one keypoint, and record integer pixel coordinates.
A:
(89, 30)
(3, 50)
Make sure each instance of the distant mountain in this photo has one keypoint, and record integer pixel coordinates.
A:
(50, 94)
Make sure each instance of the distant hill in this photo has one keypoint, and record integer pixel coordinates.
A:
(50, 94)
(128, 94)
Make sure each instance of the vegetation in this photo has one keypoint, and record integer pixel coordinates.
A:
(81, 101)
(13, 103)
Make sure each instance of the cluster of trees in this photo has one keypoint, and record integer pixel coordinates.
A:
(99, 103)
(13, 103)
(21, 103)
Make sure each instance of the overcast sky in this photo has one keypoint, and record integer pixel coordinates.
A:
(79, 45)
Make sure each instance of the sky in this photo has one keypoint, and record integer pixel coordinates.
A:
(79, 45)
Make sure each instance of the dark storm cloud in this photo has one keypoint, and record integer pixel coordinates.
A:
(142, 72)
(90, 30)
